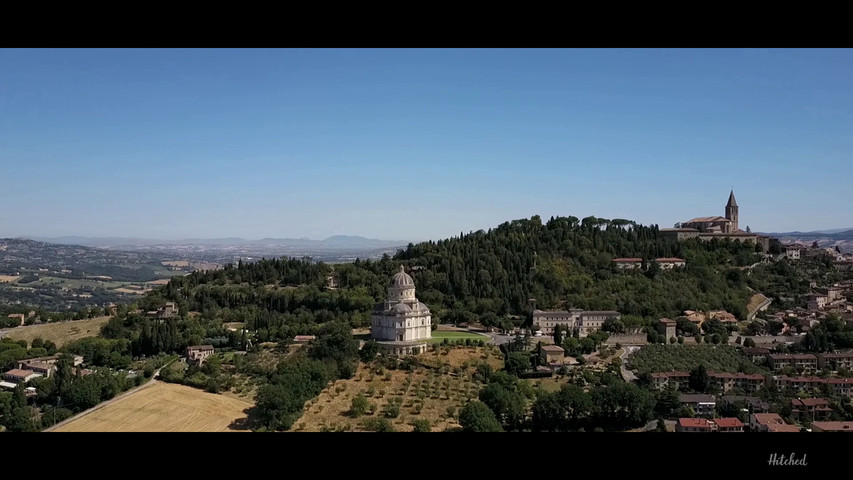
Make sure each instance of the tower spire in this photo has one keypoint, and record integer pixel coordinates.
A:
(732, 201)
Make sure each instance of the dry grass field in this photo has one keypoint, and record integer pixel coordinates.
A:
(164, 407)
(176, 263)
(8, 278)
(59, 333)
(424, 393)
(162, 281)
(133, 291)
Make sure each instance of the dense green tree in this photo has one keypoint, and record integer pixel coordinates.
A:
(517, 362)
(478, 417)
(699, 379)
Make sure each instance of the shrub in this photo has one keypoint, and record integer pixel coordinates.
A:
(422, 425)
(359, 406)
(378, 424)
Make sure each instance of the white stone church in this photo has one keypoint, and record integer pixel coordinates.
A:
(401, 324)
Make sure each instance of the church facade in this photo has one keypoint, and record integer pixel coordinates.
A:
(401, 324)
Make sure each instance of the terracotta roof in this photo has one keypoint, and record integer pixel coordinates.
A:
(201, 347)
(834, 426)
(694, 423)
(553, 348)
(626, 260)
(666, 320)
(809, 402)
(728, 422)
(716, 218)
(17, 372)
(669, 259)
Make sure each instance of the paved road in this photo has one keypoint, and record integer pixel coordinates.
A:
(627, 374)
(104, 404)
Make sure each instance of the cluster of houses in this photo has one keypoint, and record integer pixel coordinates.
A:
(796, 251)
(33, 368)
(665, 263)
(815, 410)
(805, 364)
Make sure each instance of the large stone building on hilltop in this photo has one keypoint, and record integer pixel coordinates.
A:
(709, 228)
(401, 324)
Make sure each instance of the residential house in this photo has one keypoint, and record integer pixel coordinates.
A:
(832, 426)
(769, 422)
(304, 338)
(723, 316)
(703, 405)
(551, 354)
(727, 425)
(662, 380)
(18, 316)
(745, 382)
(816, 301)
(42, 368)
(695, 317)
(693, 425)
(628, 263)
(756, 354)
(805, 362)
(199, 353)
(18, 375)
(750, 404)
(811, 408)
(792, 251)
(841, 386)
(835, 360)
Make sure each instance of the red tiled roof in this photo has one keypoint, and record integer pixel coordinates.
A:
(834, 426)
(707, 219)
(17, 372)
(201, 347)
(728, 422)
(669, 259)
(694, 423)
(809, 402)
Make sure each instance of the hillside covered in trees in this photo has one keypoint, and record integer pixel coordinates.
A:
(486, 276)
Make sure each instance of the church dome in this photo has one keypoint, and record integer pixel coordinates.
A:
(402, 279)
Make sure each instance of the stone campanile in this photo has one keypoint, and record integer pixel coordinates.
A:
(731, 212)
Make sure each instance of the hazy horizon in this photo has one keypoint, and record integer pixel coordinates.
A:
(404, 144)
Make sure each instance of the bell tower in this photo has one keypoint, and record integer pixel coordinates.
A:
(731, 211)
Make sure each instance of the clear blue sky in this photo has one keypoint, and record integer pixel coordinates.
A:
(417, 144)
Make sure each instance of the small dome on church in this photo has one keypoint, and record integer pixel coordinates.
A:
(402, 279)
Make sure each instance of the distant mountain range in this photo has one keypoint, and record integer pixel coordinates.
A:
(836, 234)
(838, 237)
(337, 241)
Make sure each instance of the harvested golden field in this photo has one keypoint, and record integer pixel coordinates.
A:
(424, 393)
(162, 281)
(8, 278)
(60, 333)
(164, 407)
(132, 291)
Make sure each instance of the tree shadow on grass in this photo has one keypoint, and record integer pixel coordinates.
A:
(247, 423)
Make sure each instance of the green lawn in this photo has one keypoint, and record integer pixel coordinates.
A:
(439, 335)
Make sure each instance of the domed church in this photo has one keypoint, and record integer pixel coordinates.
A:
(401, 324)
